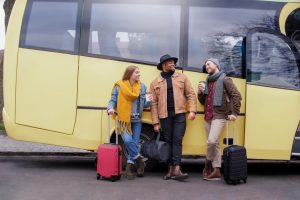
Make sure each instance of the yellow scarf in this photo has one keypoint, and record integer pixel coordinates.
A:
(127, 94)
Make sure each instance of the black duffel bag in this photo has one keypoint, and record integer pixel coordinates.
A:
(156, 150)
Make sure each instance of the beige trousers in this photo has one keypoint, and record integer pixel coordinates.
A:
(213, 131)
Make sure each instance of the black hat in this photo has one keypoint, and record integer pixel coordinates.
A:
(165, 58)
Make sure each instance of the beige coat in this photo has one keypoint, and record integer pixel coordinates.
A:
(184, 96)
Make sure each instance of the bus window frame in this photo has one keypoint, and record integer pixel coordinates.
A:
(25, 22)
(287, 40)
(227, 4)
(86, 17)
(83, 19)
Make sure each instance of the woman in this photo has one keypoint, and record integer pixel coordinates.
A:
(128, 99)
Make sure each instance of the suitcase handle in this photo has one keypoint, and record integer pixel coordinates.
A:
(108, 127)
(227, 132)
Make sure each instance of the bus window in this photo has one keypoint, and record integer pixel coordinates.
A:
(219, 32)
(51, 25)
(134, 31)
(272, 60)
(292, 27)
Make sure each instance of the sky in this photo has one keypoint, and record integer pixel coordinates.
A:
(2, 29)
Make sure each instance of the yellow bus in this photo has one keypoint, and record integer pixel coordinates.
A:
(63, 56)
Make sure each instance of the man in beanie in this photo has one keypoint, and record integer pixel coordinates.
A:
(221, 101)
(172, 96)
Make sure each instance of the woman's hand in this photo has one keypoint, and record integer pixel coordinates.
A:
(149, 97)
(111, 111)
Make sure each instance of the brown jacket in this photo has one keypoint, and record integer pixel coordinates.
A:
(231, 101)
(184, 96)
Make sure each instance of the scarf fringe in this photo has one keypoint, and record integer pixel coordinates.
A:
(124, 127)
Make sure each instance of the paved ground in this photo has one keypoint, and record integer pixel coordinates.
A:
(12, 147)
(74, 178)
(30, 171)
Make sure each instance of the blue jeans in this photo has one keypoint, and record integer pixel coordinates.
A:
(132, 141)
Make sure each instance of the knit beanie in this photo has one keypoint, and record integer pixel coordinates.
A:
(216, 61)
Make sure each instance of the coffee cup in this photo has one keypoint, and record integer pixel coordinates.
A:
(203, 84)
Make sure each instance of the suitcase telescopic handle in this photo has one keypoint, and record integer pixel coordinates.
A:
(108, 127)
(227, 132)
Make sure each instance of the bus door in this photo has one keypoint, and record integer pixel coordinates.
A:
(47, 71)
(272, 95)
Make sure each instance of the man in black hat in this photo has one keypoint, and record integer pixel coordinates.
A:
(172, 96)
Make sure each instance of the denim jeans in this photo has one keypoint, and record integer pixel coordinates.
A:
(132, 141)
(173, 129)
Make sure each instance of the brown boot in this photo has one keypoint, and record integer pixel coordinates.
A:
(177, 174)
(169, 174)
(140, 166)
(129, 174)
(215, 175)
(207, 169)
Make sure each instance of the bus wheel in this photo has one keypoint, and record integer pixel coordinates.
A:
(146, 135)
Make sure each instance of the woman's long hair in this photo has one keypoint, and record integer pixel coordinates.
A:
(128, 72)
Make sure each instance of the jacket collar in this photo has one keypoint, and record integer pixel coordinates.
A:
(160, 78)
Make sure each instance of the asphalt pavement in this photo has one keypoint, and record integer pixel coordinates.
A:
(31, 171)
(10, 146)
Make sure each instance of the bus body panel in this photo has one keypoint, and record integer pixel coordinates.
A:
(272, 118)
(80, 119)
(17, 131)
(10, 61)
(285, 12)
(88, 127)
(97, 77)
(46, 90)
(194, 141)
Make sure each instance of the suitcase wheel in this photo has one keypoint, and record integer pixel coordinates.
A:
(99, 177)
(245, 180)
(114, 178)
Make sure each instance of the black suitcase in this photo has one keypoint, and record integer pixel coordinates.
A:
(234, 162)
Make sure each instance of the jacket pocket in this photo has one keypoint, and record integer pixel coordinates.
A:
(157, 90)
(180, 84)
(225, 102)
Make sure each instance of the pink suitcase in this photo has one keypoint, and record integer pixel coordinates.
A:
(109, 159)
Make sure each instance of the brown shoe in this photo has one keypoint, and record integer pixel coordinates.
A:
(140, 166)
(169, 174)
(207, 169)
(177, 174)
(215, 175)
(129, 174)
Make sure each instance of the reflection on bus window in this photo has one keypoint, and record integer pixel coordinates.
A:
(219, 32)
(139, 32)
(52, 31)
(272, 62)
